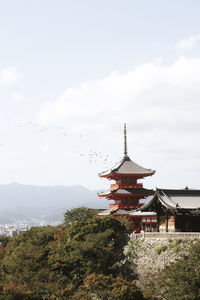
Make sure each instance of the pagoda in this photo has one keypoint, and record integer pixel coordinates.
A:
(126, 191)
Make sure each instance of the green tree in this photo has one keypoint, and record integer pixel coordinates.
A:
(79, 214)
(92, 245)
(103, 287)
(127, 223)
(4, 240)
(25, 270)
(3, 243)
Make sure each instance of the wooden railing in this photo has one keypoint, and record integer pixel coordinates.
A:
(125, 185)
(165, 235)
(126, 205)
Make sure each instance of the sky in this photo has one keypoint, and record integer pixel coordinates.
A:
(73, 72)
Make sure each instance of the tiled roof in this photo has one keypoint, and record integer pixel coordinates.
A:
(185, 199)
(127, 166)
(140, 191)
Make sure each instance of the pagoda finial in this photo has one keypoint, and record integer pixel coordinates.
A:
(125, 141)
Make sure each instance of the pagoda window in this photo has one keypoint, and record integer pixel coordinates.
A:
(154, 220)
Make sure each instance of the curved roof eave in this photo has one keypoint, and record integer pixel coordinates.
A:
(128, 167)
(111, 170)
(147, 205)
(164, 203)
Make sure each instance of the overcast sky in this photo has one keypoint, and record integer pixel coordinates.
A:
(71, 74)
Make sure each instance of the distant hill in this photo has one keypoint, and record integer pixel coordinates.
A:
(37, 203)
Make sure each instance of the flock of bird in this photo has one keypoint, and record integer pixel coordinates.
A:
(92, 156)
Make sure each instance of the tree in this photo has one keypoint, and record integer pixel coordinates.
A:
(25, 270)
(92, 245)
(79, 214)
(4, 240)
(3, 243)
(127, 223)
(103, 287)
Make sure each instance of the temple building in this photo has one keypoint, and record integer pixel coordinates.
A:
(168, 210)
(127, 192)
(177, 210)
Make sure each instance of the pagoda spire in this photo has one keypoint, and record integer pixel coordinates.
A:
(125, 141)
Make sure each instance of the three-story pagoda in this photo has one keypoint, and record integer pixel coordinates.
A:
(126, 192)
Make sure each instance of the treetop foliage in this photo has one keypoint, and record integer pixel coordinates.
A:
(107, 288)
(79, 214)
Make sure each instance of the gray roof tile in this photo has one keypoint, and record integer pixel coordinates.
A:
(140, 191)
(127, 166)
(176, 199)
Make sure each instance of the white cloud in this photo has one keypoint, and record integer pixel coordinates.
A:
(159, 102)
(10, 75)
(188, 42)
(44, 148)
(151, 95)
(18, 97)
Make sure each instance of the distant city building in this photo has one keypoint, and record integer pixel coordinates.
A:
(12, 233)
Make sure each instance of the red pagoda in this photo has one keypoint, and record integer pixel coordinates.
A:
(127, 192)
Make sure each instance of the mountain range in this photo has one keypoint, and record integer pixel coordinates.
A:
(47, 204)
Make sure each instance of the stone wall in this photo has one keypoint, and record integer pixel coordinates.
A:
(147, 256)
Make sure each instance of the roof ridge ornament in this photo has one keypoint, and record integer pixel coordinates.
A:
(125, 141)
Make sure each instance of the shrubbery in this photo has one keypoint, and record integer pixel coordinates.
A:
(161, 249)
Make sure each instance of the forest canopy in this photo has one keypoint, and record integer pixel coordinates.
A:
(67, 261)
